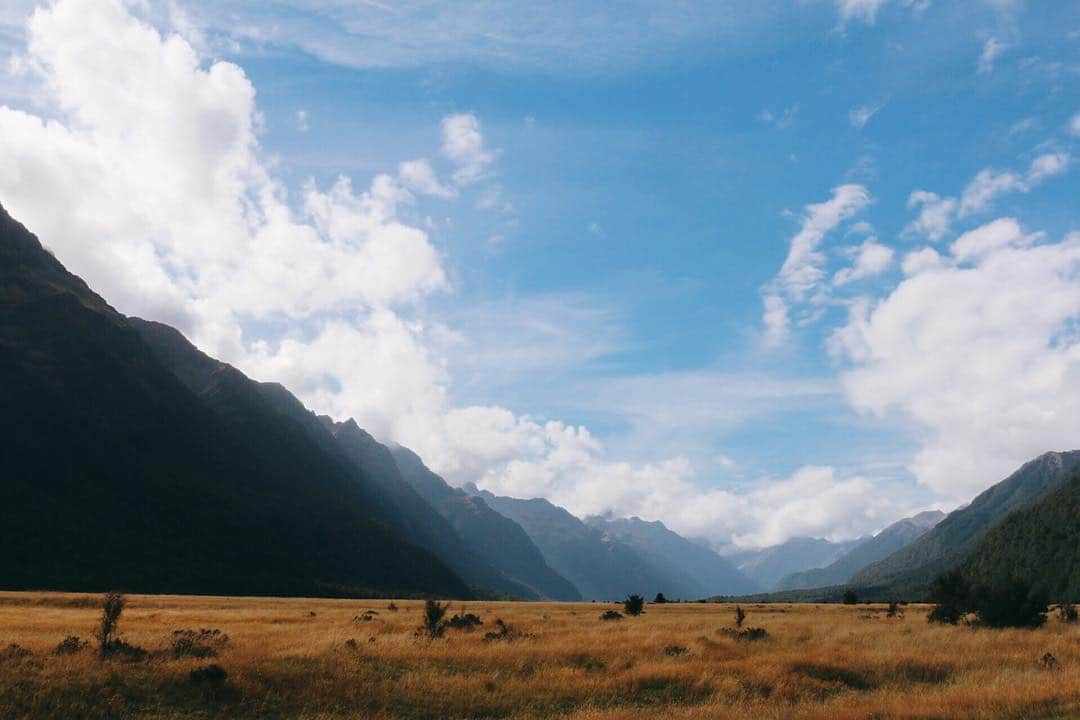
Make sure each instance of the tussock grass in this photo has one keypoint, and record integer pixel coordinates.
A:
(830, 662)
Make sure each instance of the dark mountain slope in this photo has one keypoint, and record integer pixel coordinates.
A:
(116, 475)
(1039, 545)
(909, 571)
(700, 572)
(598, 566)
(418, 519)
(898, 535)
(495, 538)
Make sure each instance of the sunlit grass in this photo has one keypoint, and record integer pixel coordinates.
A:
(293, 658)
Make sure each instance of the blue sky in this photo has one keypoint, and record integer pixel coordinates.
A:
(642, 175)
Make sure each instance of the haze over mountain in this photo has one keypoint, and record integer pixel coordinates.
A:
(148, 485)
(700, 572)
(768, 566)
(896, 536)
(599, 566)
(491, 536)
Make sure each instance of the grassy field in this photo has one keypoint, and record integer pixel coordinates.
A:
(301, 658)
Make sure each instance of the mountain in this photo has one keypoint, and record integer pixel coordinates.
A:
(886, 542)
(417, 519)
(117, 475)
(600, 567)
(909, 571)
(699, 571)
(768, 566)
(1038, 545)
(488, 535)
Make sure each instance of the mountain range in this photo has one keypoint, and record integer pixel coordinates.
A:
(135, 461)
(880, 546)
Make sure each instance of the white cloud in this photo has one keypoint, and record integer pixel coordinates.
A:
(935, 215)
(987, 186)
(871, 258)
(776, 321)
(859, 116)
(992, 48)
(865, 10)
(803, 272)
(463, 143)
(419, 176)
(1074, 124)
(302, 120)
(979, 349)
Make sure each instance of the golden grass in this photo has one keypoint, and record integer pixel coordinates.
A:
(819, 661)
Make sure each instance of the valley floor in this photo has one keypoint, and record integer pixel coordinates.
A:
(299, 658)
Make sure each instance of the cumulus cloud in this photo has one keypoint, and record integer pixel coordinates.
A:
(935, 214)
(979, 348)
(420, 177)
(463, 144)
(871, 258)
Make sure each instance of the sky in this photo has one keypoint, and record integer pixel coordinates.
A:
(757, 270)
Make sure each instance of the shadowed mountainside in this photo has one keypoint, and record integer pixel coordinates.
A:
(118, 475)
(495, 538)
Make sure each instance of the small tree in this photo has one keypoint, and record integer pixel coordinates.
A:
(740, 616)
(894, 609)
(434, 624)
(850, 598)
(634, 605)
(110, 617)
(952, 594)
(1067, 613)
(659, 599)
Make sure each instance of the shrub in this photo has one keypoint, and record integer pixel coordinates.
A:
(468, 621)
(391, 607)
(1013, 603)
(433, 624)
(945, 614)
(659, 599)
(740, 616)
(1067, 613)
(203, 643)
(748, 635)
(110, 617)
(634, 605)
(894, 609)
(70, 645)
(210, 675)
(14, 652)
(502, 631)
(675, 650)
(850, 598)
(611, 615)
